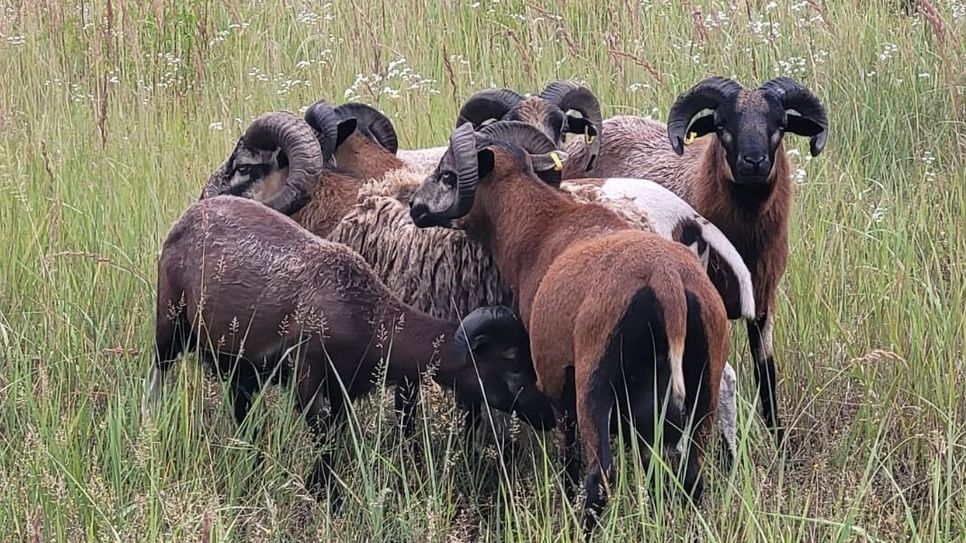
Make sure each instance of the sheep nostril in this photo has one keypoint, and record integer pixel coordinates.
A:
(754, 160)
(418, 212)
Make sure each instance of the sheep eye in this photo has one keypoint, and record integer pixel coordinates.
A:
(244, 169)
(449, 179)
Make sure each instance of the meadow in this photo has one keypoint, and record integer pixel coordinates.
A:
(113, 113)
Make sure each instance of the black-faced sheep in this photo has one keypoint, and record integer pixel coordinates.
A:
(258, 295)
(609, 308)
(739, 179)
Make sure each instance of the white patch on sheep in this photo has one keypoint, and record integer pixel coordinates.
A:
(665, 210)
(727, 413)
(152, 393)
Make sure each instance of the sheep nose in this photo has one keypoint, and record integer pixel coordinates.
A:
(418, 212)
(754, 159)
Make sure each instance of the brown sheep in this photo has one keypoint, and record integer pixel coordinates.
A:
(261, 297)
(609, 308)
(739, 179)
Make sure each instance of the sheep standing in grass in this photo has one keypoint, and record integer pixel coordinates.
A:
(614, 313)
(258, 296)
(363, 205)
(739, 179)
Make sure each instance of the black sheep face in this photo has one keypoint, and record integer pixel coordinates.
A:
(250, 167)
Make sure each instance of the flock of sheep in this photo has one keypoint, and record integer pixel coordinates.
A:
(575, 271)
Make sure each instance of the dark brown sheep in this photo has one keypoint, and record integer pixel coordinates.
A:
(610, 309)
(258, 295)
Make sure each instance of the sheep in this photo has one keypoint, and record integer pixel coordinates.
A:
(599, 299)
(548, 111)
(441, 271)
(739, 179)
(256, 290)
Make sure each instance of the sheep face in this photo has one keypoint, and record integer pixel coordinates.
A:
(748, 124)
(498, 371)
(448, 193)
(248, 167)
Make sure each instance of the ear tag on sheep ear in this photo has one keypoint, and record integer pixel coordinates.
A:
(588, 137)
(557, 163)
(689, 139)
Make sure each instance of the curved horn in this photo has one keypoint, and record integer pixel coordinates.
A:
(569, 95)
(708, 94)
(529, 138)
(372, 123)
(487, 104)
(495, 320)
(324, 121)
(296, 139)
(462, 143)
(524, 135)
(798, 98)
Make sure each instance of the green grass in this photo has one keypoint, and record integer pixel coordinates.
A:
(113, 113)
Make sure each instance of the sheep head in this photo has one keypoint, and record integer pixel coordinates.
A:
(749, 124)
(497, 371)
(276, 161)
(552, 112)
(448, 193)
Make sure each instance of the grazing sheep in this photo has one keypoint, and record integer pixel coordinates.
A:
(263, 296)
(609, 308)
(739, 179)
(548, 111)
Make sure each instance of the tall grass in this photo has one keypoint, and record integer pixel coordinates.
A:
(112, 114)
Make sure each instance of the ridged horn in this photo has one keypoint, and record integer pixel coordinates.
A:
(281, 129)
(371, 123)
(796, 97)
(322, 118)
(568, 95)
(707, 94)
(487, 104)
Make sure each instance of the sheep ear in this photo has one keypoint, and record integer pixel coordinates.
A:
(344, 130)
(279, 158)
(552, 161)
(701, 125)
(803, 126)
(580, 125)
(484, 162)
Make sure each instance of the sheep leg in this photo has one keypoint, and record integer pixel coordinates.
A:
(172, 337)
(565, 410)
(594, 402)
(244, 385)
(322, 425)
(406, 398)
(766, 375)
(727, 416)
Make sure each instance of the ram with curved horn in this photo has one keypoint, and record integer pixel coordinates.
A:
(277, 161)
(723, 151)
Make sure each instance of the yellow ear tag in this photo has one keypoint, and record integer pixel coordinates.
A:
(689, 139)
(557, 164)
(587, 136)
